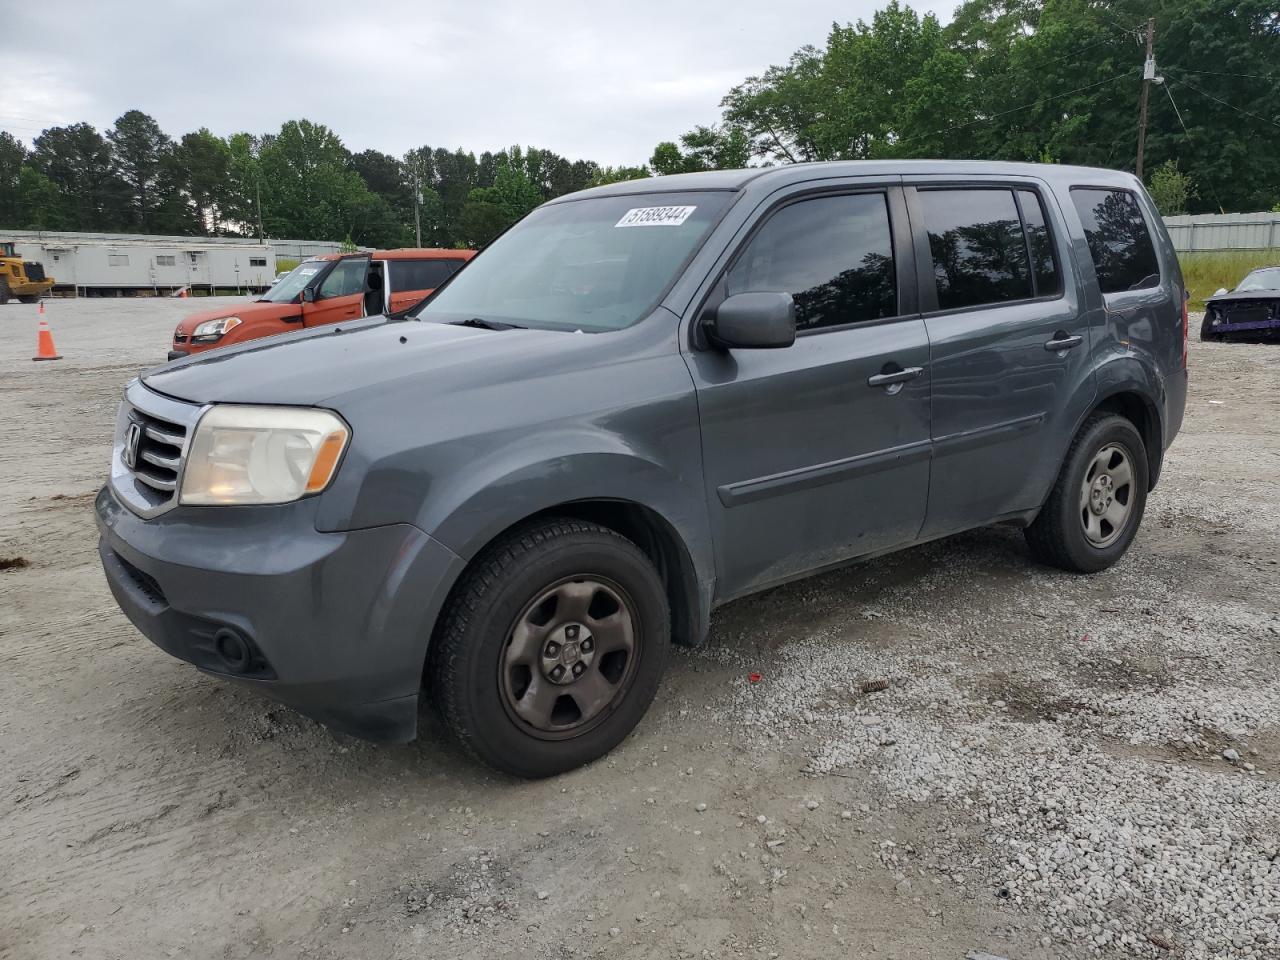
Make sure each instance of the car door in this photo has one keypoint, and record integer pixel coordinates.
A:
(818, 452)
(1009, 348)
(340, 295)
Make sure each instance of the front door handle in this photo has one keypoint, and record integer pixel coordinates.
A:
(1061, 341)
(894, 378)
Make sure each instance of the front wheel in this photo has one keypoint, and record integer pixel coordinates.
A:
(551, 648)
(1096, 505)
(4, 291)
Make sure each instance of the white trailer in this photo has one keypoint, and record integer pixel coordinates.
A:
(106, 264)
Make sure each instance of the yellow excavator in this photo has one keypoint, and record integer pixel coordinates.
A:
(22, 279)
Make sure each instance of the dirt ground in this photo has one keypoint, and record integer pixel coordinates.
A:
(1044, 775)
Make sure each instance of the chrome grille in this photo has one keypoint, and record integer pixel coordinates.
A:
(152, 432)
(158, 456)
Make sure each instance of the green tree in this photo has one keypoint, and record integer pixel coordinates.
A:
(1171, 189)
(139, 149)
(77, 161)
(12, 155)
(201, 164)
(705, 148)
(490, 210)
(40, 205)
(604, 175)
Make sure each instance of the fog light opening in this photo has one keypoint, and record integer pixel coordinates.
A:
(233, 650)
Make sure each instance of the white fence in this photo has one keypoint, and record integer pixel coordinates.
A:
(1232, 231)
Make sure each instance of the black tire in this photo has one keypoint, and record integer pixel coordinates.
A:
(1058, 536)
(30, 298)
(468, 664)
(4, 291)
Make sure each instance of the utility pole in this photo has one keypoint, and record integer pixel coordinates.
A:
(1148, 74)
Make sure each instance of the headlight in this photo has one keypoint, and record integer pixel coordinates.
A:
(243, 454)
(214, 329)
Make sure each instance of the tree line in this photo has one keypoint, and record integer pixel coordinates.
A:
(300, 183)
(1046, 80)
(1032, 80)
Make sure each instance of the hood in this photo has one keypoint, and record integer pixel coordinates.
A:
(1246, 295)
(246, 310)
(317, 366)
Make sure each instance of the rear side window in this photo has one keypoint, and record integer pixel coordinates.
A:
(421, 274)
(979, 254)
(1119, 242)
(834, 255)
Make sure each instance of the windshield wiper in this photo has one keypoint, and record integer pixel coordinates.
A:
(483, 324)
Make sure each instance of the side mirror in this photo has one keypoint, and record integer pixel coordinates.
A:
(754, 321)
(308, 294)
(1221, 291)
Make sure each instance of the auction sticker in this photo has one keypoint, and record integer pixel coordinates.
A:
(655, 216)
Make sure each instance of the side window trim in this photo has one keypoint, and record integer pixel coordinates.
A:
(925, 285)
(900, 238)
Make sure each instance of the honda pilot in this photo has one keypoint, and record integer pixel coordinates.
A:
(641, 402)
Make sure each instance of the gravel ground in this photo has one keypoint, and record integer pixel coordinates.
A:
(949, 750)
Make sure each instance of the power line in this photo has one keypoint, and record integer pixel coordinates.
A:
(1182, 123)
(1245, 76)
(1035, 103)
(1230, 106)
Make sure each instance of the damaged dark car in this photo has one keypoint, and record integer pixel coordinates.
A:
(1249, 312)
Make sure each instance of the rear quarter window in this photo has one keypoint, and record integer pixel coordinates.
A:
(1119, 242)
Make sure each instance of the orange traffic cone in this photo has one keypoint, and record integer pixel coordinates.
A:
(44, 342)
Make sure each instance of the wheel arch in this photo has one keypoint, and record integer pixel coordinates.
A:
(688, 592)
(1141, 411)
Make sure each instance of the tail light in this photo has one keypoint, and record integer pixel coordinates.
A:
(1186, 327)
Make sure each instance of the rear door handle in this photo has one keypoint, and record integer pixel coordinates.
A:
(1061, 341)
(894, 377)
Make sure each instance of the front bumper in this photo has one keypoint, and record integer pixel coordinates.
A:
(179, 354)
(337, 623)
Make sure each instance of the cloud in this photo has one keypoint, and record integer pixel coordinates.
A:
(587, 80)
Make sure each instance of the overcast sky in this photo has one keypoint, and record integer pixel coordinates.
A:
(598, 81)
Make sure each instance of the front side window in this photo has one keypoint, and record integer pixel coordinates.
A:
(421, 274)
(979, 255)
(593, 265)
(834, 255)
(348, 277)
(1119, 242)
(288, 287)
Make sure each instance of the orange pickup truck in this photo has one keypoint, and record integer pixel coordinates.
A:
(326, 289)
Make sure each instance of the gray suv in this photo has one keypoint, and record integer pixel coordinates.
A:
(642, 401)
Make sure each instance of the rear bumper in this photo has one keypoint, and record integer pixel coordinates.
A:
(337, 623)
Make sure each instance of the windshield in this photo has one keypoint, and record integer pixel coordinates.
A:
(1268, 279)
(287, 290)
(591, 265)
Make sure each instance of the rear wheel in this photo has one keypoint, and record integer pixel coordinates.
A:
(4, 291)
(1097, 503)
(551, 648)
